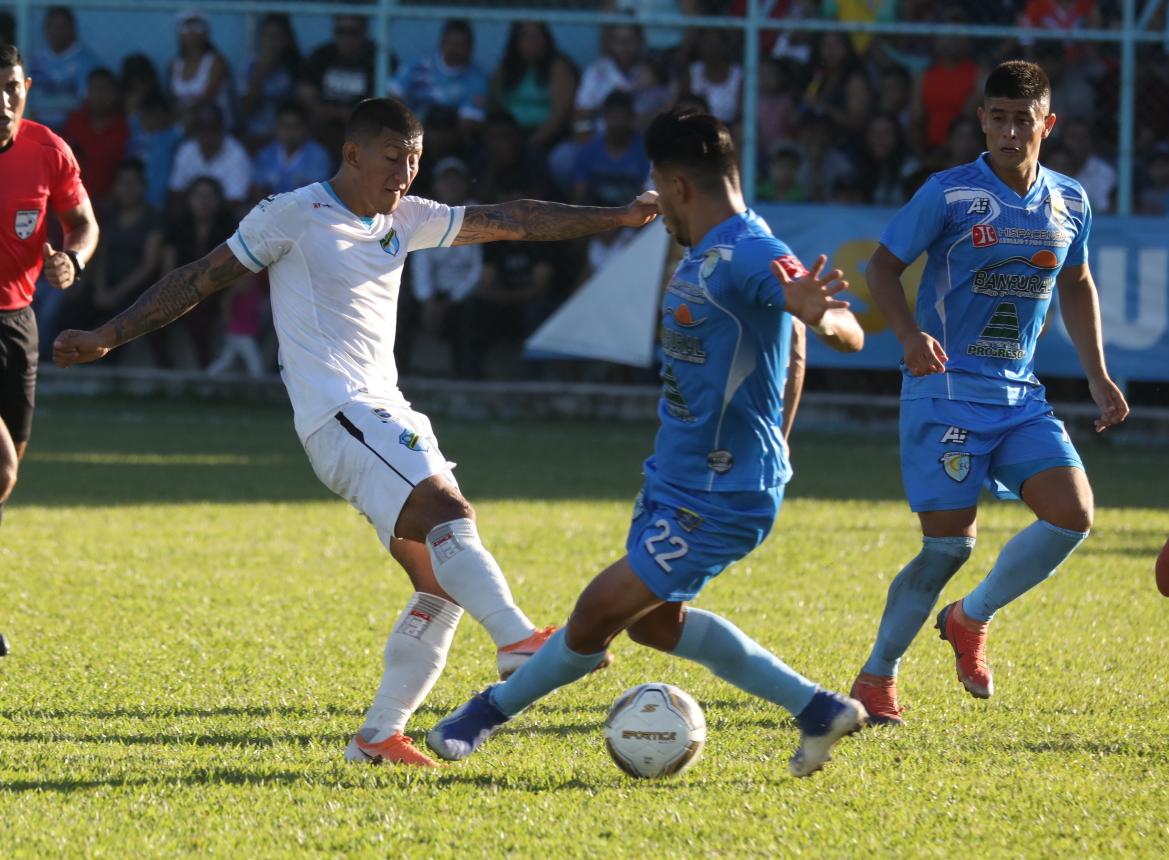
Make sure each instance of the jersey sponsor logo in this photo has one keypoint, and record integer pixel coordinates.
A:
(672, 397)
(687, 519)
(1037, 286)
(984, 235)
(954, 436)
(390, 242)
(683, 316)
(720, 461)
(413, 441)
(690, 292)
(26, 222)
(1027, 236)
(792, 267)
(979, 206)
(414, 624)
(683, 347)
(319, 205)
(1000, 336)
(956, 465)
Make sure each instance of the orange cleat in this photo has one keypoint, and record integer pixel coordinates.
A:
(511, 657)
(879, 696)
(969, 651)
(396, 749)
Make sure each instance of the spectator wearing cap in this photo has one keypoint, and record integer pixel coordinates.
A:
(99, 133)
(336, 76)
(442, 283)
(211, 152)
(612, 166)
(61, 71)
(447, 77)
(199, 75)
(293, 159)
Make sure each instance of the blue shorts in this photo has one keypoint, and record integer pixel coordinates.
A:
(681, 538)
(950, 449)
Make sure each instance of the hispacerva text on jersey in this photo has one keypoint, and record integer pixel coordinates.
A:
(993, 258)
(725, 349)
(335, 278)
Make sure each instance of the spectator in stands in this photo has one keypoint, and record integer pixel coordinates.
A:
(61, 72)
(781, 182)
(131, 243)
(822, 163)
(1073, 94)
(246, 302)
(1094, 173)
(668, 45)
(1057, 158)
(612, 166)
(293, 159)
(964, 144)
(715, 75)
(949, 87)
(885, 162)
(536, 84)
(336, 76)
(199, 76)
(510, 163)
(860, 11)
(620, 67)
(98, 133)
(778, 106)
(448, 77)
(442, 282)
(446, 137)
(1153, 198)
(203, 222)
(835, 63)
(154, 140)
(139, 79)
(268, 79)
(895, 94)
(211, 152)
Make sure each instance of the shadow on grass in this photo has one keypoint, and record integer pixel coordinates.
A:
(196, 739)
(223, 776)
(162, 712)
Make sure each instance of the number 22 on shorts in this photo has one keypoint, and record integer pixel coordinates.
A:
(663, 559)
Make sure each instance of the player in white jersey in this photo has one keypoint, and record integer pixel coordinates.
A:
(334, 252)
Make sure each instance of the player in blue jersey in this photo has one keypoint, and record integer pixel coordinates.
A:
(1002, 234)
(714, 483)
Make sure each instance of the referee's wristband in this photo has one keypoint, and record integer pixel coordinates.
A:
(78, 266)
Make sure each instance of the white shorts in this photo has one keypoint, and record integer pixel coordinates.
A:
(374, 457)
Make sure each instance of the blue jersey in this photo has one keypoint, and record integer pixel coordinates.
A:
(725, 341)
(989, 277)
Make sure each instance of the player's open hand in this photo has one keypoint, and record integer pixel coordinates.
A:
(811, 295)
(59, 270)
(641, 211)
(1110, 399)
(78, 347)
(923, 355)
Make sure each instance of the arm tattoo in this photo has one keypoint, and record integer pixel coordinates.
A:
(535, 221)
(173, 295)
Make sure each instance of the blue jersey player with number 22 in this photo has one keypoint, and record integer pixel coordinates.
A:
(715, 480)
(1002, 234)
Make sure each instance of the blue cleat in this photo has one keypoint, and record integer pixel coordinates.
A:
(464, 730)
(826, 719)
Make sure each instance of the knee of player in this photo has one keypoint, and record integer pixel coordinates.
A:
(655, 634)
(8, 475)
(1075, 517)
(587, 634)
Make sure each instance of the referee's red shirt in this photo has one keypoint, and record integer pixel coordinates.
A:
(38, 172)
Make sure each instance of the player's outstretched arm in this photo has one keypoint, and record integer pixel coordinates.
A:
(812, 300)
(166, 301)
(1080, 307)
(923, 355)
(543, 221)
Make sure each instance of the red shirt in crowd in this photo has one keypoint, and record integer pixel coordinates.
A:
(945, 90)
(99, 150)
(37, 172)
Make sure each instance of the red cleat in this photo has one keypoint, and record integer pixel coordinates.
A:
(511, 657)
(969, 651)
(879, 696)
(396, 749)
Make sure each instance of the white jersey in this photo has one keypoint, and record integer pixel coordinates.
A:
(335, 278)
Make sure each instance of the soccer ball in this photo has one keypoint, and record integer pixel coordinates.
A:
(655, 730)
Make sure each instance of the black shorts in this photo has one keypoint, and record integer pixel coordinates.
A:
(18, 371)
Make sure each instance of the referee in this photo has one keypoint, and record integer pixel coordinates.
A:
(38, 172)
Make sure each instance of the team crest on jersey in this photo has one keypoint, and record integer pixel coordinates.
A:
(956, 464)
(979, 206)
(983, 236)
(390, 242)
(683, 316)
(26, 222)
(1056, 207)
(709, 263)
(954, 436)
(413, 441)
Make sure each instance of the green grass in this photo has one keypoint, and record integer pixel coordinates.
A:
(197, 629)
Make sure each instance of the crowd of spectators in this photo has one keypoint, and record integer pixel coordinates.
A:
(172, 157)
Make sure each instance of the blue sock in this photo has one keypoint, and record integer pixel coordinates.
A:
(1028, 558)
(732, 655)
(553, 666)
(912, 595)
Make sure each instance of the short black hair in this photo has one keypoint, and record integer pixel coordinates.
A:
(620, 99)
(373, 116)
(10, 56)
(1018, 79)
(459, 25)
(292, 106)
(699, 144)
(101, 73)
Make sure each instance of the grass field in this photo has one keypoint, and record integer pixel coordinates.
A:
(197, 629)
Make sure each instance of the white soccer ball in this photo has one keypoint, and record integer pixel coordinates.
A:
(655, 730)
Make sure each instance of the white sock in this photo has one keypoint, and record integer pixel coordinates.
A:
(469, 574)
(414, 657)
